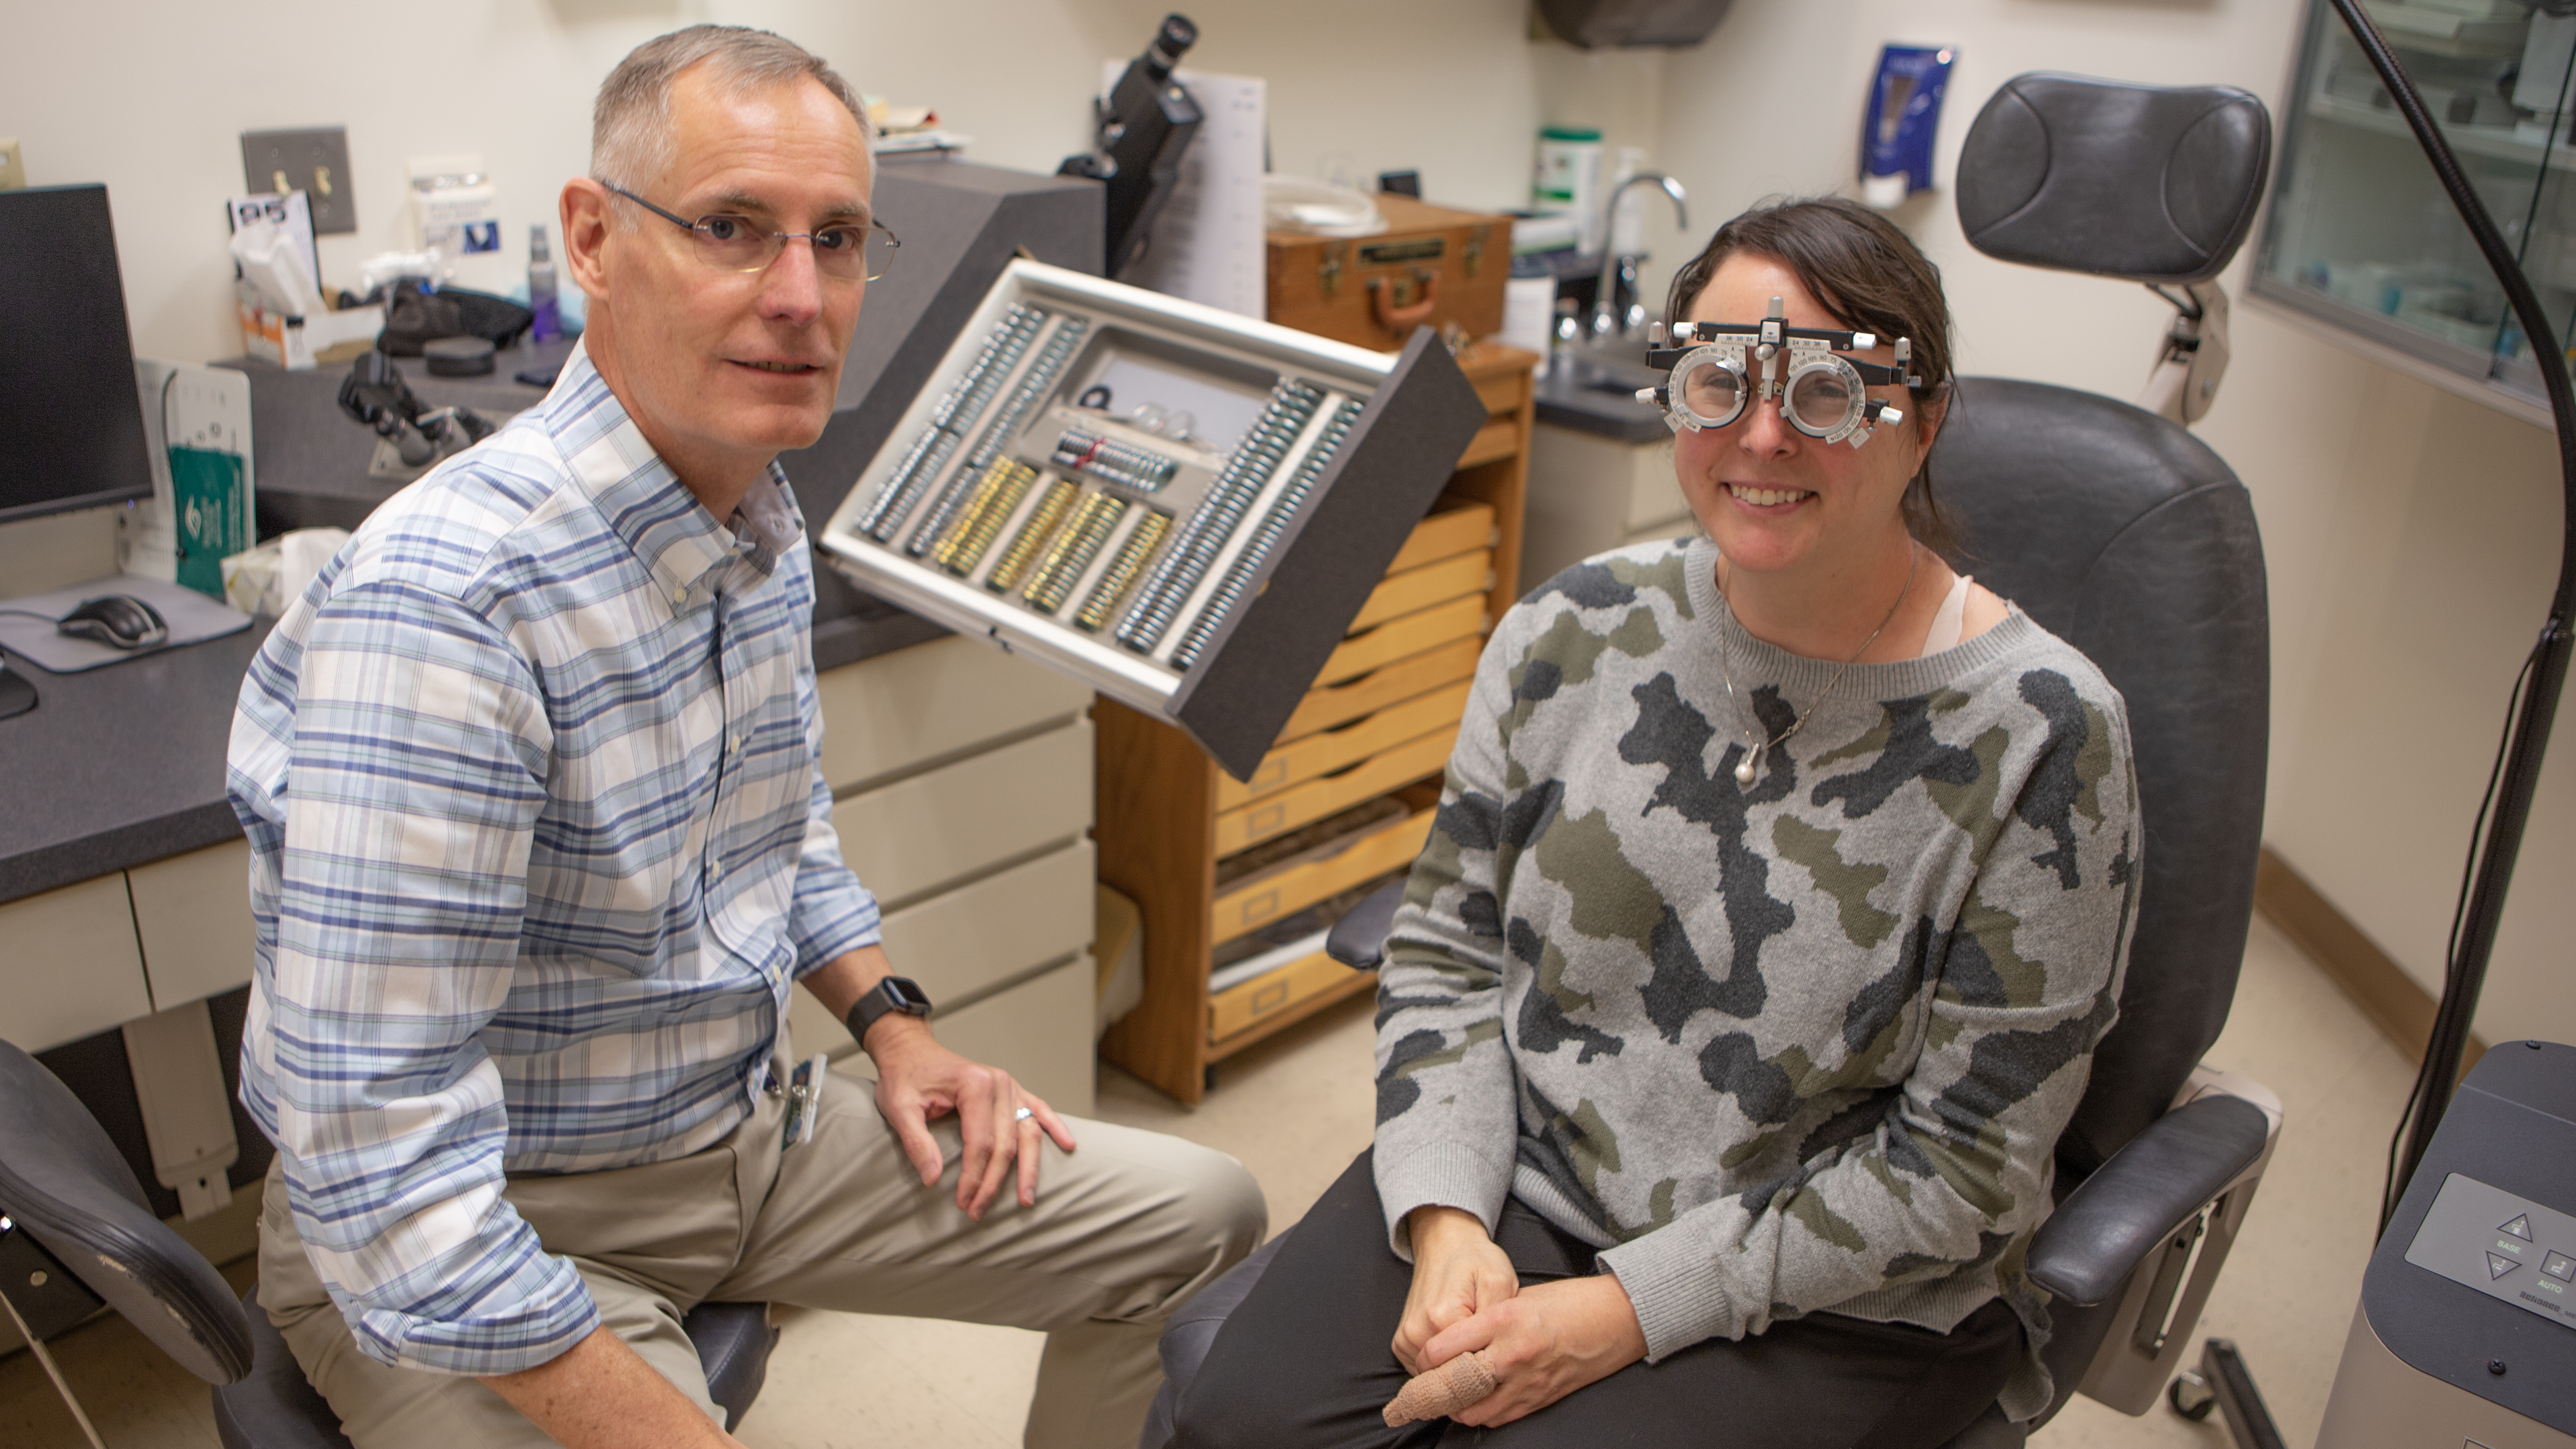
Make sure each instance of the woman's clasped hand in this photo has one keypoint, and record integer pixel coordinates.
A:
(1540, 1343)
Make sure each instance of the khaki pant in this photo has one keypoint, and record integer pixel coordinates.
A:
(1126, 1227)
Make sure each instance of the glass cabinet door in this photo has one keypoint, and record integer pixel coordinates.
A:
(2361, 235)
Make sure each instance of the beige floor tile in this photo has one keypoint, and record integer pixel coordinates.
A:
(1294, 1109)
(843, 1380)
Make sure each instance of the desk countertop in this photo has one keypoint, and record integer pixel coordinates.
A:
(119, 766)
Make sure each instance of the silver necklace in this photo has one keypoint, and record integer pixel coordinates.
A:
(1751, 764)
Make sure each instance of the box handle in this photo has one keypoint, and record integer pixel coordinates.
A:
(1395, 318)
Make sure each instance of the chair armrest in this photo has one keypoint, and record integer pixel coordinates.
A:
(1358, 939)
(2147, 1191)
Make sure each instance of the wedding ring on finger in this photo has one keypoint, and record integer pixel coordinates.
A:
(1022, 1115)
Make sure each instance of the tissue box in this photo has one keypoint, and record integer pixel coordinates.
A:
(297, 343)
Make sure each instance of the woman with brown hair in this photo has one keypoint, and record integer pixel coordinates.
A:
(1780, 889)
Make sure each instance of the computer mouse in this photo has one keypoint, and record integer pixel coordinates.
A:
(116, 619)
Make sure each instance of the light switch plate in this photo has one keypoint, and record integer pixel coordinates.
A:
(13, 164)
(314, 161)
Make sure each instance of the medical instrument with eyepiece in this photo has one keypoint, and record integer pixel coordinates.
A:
(1822, 395)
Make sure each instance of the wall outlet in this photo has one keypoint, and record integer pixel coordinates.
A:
(314, 161)
(13, 164)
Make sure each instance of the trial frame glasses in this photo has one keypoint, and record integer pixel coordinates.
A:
(732, 242)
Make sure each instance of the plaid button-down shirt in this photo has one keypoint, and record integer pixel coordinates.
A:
(540, 846)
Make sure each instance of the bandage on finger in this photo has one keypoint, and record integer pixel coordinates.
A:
(1443, 1391)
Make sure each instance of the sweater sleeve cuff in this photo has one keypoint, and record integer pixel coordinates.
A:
(1678, 1289)
(1447, 1176)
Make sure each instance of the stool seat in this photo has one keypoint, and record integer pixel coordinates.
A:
(275, 1408)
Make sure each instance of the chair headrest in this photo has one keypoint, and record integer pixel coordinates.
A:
(2145, 183)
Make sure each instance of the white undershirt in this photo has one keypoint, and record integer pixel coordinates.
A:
(1950, 621)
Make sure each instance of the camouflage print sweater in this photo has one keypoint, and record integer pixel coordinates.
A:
(1804, 1045)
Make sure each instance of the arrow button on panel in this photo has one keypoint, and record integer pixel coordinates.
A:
(2560, 1267)
(2520, 1227)
(2498, 1265)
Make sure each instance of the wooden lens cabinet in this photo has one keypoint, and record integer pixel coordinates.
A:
(1346, 794)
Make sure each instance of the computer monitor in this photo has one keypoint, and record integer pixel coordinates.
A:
(71, 426)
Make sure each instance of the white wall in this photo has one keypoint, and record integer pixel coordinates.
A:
(2411, 536)
(151, 97)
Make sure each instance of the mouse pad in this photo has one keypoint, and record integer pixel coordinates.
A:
(192, 618)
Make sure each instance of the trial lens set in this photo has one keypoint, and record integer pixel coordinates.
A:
(1102, 519)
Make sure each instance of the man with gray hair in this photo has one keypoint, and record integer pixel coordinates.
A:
(540, 848)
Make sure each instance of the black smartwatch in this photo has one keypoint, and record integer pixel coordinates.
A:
(895, 993)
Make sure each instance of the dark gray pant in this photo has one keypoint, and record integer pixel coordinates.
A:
(1305, 1362)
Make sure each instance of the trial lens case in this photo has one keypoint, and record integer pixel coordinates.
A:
(1202, 574)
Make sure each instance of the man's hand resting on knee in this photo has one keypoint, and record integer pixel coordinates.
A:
(920, 1081)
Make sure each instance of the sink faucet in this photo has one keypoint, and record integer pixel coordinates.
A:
(1607, 325)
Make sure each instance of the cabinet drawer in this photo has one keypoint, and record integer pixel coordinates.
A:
(1411, 634)
(1417, 589)
(916, 835)
(963, 941)
(885, 715)
(1294, 885)
(69, 967)
(1348, 700)
(1238, 1008)
(1444, 532)
(1503, 393)
(1251, 824)
(1039, 1031)
(1326, 751)
(1500, 438)
(193, 914)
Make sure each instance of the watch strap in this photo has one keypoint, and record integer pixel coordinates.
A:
(896, 994)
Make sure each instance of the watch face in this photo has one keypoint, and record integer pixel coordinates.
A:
(905, 995)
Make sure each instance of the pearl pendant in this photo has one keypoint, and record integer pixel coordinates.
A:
(1752, 761)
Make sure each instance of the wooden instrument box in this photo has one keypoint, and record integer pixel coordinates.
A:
(1430, 266)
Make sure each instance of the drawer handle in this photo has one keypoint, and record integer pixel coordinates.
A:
(1267, 819)
(1260, 908)
(1270, 998)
